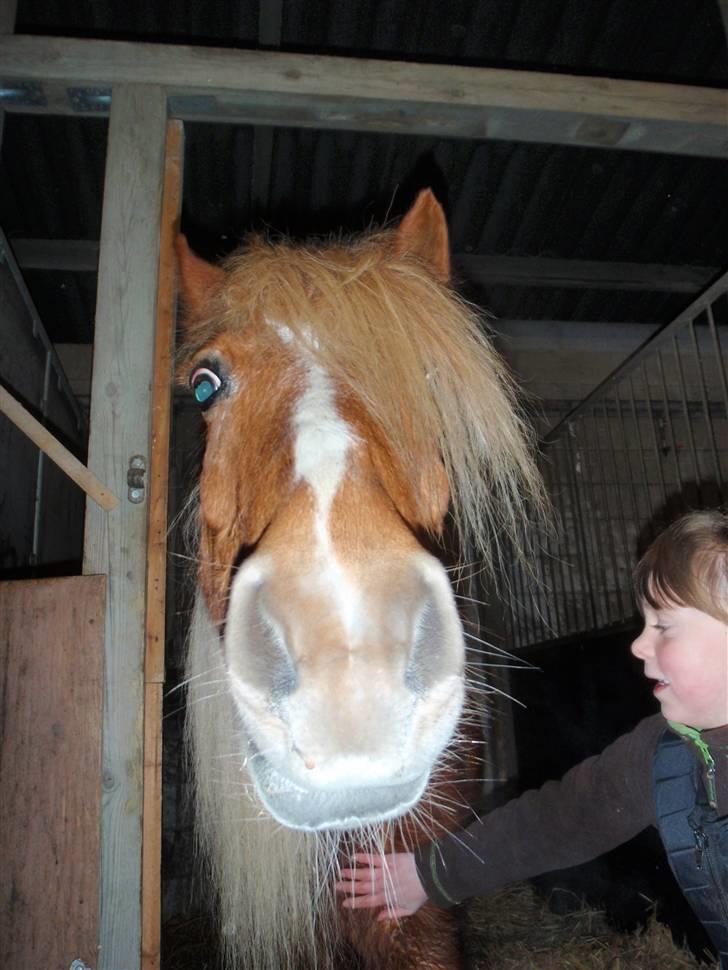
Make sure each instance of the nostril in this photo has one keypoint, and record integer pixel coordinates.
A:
(425, 661)
(262, 659)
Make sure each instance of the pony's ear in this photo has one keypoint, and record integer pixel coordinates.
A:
(423, 232)
(198, 279)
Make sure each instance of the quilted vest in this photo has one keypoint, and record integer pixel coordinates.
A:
(695, 839)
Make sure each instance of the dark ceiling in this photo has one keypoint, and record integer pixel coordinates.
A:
(531, 202)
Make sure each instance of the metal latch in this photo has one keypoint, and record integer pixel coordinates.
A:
(135, 478)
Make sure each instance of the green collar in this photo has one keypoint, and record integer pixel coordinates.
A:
(694, 735)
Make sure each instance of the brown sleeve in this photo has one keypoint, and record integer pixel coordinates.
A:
(599, 804)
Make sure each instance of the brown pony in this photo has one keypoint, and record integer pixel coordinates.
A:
(350, 400)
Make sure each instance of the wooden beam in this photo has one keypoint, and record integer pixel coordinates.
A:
(70, 255)
(163, 382)
(542, 271)
(81, 255)
(57, 452)
(306, 90)
(115, 542)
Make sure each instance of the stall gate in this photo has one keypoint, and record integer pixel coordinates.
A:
(650, 441)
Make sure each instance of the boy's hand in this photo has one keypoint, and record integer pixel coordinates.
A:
(390, 881)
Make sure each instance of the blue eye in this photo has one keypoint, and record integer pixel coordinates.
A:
(205, 384)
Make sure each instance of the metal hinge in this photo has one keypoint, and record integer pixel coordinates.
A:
(135, 478)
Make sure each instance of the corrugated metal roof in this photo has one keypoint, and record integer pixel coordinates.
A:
(518, 199)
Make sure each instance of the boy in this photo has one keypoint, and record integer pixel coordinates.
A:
(670, 771)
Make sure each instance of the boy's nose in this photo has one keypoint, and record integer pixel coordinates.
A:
(642, 646)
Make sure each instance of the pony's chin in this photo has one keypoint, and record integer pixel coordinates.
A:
(316, 810)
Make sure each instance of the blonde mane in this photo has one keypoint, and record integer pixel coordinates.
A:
(413, 353)
(273, 886)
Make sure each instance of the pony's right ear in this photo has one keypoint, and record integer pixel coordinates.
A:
(199, 280)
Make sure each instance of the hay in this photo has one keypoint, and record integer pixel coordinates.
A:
(516, 930)
(510, 930)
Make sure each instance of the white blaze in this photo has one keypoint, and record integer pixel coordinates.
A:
(322, 440)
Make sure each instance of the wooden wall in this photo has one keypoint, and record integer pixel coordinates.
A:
(51, 679)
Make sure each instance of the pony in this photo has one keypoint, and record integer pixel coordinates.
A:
(351, 400)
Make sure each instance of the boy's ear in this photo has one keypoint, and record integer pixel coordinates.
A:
(199, 280)
(423, 232)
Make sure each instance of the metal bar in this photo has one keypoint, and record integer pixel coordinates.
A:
(641, 445)
(627, 461)
(718, 356)
(599, 558)
(686, 414)
(650, 346)
(668, 423)
(40, 474)
(651, 425)
(626, 552)
(567, 568)
(557, 599)
(579, 522)
(554, 540)
(706, 407)
(607, 520)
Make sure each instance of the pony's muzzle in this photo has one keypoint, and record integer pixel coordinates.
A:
(345, 723)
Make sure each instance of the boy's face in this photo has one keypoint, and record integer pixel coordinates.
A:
(686, 652)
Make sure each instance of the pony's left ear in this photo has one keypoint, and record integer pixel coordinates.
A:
(199, 280)
(423, 232)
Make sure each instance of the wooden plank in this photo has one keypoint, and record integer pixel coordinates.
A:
(51, 678)
(542, 271)
(306, 90)
(51, 446)
(82, 255)
(72, 255)
(115, 542)
(157, 551)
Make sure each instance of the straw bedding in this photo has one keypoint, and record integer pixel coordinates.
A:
(510, 930)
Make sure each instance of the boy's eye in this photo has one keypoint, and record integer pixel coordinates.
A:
(205, 384)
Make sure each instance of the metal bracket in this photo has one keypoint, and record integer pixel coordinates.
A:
(135, 479)
(90, 100)
(25, 94)
(79, 965)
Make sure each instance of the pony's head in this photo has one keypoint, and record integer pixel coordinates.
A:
(350, 399)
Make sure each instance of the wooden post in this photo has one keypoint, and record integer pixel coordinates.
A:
(157, 552)
(115, 542)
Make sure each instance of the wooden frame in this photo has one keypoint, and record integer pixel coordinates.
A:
(116, 542)
(144, 83)
(157, 552)
(267, 88)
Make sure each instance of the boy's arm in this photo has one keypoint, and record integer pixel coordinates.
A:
(599, 804)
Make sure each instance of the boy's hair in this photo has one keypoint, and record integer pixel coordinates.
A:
(687, 565)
